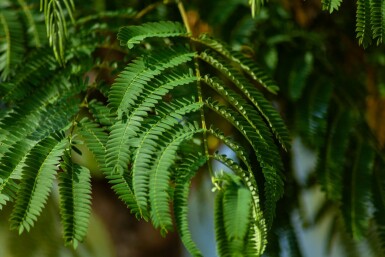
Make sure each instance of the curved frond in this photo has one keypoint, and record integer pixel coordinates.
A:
(75, 200)
(184, 173)
(160, 175)
(257, 236)
(126, 91)
(268, 158)
(129, 36)
(247, 65)
(235, 217)
(255, 97)
(147, 142)
(38, 174)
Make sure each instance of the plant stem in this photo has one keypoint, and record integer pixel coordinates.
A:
(199, 87)
(184, 16)
(146, 10)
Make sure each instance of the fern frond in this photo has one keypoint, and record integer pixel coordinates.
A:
(257, 237)
(258, 234)
(331, 5)
(255, 97)
(247, 65)
(220, 231)
(333, 154)
(236, 216)
(122, 186)
(312, 116)
(129, 36)
(148, 140)
(377, 20)
(56, 24)
(184, 173)
(75, 200)
(10, 169)
(256, 73)
(12, 126)
(248, 178)
(127, 89)
(137, 74)
(95, 139)
(12, 45)
(144, 141)
(268, 158)
(241, 106)
(357, 199)
(235, 147)
(363, 23)
(160, 175)
(29, 76)
(118, 152)
(55, 116)
(38, 174)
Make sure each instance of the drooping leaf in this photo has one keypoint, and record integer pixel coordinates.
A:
(75, 200)
(38, 174)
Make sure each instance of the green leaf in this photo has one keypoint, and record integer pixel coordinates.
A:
(268, 158)
(363, 23)
(160, 175)
(75, 200)
(333, 155)
(377, 20)
(12, 47)
(220, 231)
(11, 164)
(331, 5)
(357, 196)
(132, 35)
(184, 173)
(95, 138)
(254, 96)
(131, 82)
(147, 143)
(38, 174)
